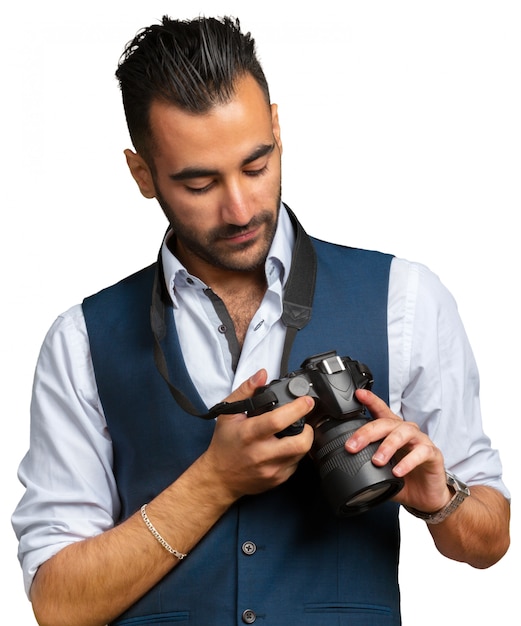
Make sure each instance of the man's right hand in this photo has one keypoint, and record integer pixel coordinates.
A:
(244, 452)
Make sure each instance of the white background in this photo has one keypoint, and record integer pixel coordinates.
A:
(401, 131)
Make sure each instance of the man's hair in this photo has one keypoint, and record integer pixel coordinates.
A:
(192, 64)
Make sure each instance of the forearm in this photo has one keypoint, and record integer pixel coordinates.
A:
(477, 533)
(91, 582)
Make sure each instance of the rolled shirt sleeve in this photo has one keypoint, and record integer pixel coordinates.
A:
(70, 488)
(434, 379)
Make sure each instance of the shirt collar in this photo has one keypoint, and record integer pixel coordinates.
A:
(278, 261)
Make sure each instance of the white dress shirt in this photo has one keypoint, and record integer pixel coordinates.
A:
(71, 492)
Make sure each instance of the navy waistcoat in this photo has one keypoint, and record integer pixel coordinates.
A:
(280, 557)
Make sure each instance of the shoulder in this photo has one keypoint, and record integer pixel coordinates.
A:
(328, 247)
(414, 287)
(138, 280)
(68, 329)
(357, 263)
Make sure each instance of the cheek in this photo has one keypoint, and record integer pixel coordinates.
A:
(195, 214)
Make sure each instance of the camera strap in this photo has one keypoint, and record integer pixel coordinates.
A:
(296, 313)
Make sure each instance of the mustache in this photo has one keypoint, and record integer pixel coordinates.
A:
(232, 230)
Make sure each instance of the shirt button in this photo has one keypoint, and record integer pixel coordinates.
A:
(249, 548)
(222, 329)
(190, 281)
(248, 616)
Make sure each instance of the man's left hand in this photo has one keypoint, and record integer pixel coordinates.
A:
(418, 460)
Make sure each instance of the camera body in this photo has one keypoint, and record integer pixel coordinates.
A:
(351, 483)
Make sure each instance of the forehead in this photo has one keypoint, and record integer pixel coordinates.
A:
(226, 131)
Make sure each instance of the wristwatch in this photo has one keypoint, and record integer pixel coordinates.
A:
(461, 491)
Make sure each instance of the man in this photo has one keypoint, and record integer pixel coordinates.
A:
(137, 511)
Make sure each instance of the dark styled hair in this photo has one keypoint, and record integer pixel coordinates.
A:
(192, 64)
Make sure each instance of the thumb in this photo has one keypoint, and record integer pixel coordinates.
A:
(247, 388)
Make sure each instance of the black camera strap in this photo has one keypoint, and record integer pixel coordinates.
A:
(296, 313)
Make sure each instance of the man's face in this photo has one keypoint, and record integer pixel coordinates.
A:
(217, 177)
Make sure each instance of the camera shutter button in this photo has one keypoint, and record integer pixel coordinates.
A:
(298, 386)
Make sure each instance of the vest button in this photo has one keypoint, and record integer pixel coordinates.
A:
(249, 548)
(248, 616)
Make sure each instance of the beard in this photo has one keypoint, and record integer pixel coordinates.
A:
(212, 247)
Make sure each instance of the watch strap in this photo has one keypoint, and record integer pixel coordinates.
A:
(461, 491)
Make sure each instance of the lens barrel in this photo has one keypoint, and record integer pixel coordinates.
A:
(351, 483)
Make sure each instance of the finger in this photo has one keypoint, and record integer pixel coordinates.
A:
(377, 407)
(376, 429)
(273, 422)
(248, 387)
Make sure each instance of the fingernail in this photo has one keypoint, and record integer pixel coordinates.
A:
(352, 444)
(255, 379)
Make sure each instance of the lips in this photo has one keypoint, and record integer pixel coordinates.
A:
(243, 237)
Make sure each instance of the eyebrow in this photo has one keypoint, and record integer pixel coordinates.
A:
(202, 172)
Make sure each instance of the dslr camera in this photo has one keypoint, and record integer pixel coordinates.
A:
(350, 482)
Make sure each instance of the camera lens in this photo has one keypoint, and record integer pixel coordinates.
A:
(350, 482)
(367, 496)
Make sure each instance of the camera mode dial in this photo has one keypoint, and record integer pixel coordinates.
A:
(298, 386)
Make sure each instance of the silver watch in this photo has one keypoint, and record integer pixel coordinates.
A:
(461, 491)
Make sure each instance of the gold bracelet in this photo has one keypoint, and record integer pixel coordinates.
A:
(164, 543)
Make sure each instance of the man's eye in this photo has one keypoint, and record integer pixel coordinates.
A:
(257, 172)
(199, 190)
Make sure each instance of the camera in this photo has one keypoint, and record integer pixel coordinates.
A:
(351, 483)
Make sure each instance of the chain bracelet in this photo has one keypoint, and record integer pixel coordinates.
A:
(162, 541)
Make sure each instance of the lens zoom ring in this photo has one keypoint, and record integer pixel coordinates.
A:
(333, 456)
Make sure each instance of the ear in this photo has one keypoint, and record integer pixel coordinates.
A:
(275, 125)
(141, 173)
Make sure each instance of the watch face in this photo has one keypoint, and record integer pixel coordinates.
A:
(456, 483)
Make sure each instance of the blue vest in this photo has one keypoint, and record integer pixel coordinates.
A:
(280, 557)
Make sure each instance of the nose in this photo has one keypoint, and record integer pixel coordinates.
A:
(236, 207)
